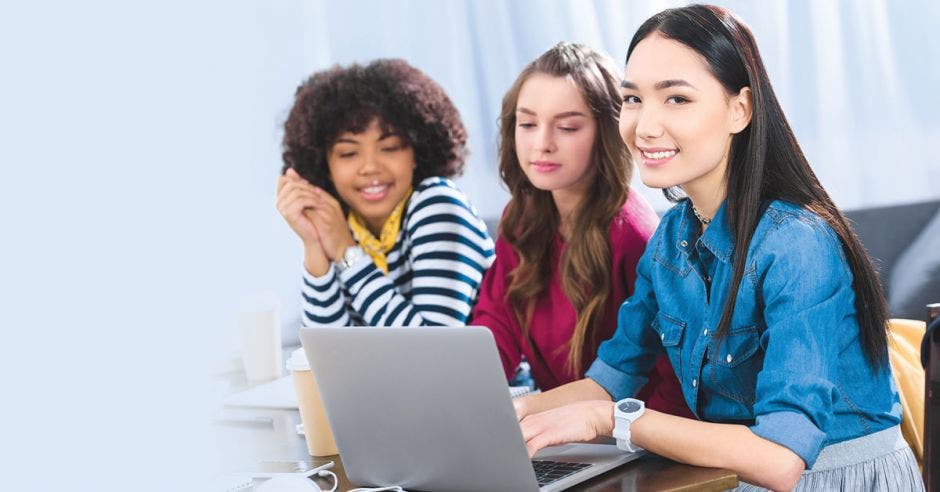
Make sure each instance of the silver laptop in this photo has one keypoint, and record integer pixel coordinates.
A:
(429, 409)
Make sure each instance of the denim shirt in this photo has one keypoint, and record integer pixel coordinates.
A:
(791, 367)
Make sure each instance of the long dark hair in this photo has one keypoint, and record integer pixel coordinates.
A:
(765, 161)
(531, 219)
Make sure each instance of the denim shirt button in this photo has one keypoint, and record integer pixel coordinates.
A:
(662, 336)
(683, 243)
(705, 333)
(728, 358)
(694, 383)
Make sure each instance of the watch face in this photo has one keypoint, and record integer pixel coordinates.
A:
(628, 406)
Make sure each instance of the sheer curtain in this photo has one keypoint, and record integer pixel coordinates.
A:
(857, 79)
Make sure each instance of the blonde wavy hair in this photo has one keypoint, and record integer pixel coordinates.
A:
(531, 219)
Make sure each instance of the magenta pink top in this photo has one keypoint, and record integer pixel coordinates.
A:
(554, 317)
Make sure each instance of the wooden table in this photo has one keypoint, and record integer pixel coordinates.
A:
(254, 435)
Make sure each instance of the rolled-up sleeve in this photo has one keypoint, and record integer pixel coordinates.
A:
(624, 361)
(810, 315)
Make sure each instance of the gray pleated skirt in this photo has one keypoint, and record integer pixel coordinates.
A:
(881, 461)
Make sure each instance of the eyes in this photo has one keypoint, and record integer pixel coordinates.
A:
(385, 148)
(566, 128)
(676, 100)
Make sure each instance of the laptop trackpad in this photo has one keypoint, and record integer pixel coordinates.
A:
(581, 453)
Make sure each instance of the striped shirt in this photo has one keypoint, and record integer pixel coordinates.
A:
(434, 269)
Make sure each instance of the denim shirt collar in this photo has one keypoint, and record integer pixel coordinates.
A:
(717, 238)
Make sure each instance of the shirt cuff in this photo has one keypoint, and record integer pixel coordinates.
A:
(354, 276)
(618, 384)
(321, 283)
(793, 431)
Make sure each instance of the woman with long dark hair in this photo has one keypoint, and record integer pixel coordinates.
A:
(754, 286)
(573, 230)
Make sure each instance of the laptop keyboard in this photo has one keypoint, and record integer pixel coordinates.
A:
(547, 472)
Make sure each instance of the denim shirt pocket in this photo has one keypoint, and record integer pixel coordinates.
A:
(734, 363)
(670, 331)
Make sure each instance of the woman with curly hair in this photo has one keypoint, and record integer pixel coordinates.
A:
(388, 239)
(573, 231)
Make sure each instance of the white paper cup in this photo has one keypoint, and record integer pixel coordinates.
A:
(259, 328)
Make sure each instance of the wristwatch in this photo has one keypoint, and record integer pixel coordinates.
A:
(626, 412)
(350, 256)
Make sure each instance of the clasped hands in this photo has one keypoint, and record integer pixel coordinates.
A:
(317, 217)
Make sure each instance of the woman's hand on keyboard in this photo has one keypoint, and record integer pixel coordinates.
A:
(576, 422)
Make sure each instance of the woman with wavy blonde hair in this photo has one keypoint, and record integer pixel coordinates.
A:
(573, 231)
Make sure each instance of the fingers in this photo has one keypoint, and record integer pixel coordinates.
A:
(293, 200)
(291, 179)
(291, 176)
(291, 197)
(537, 424)
(329, 209)
(290, 188)
(532, 448)
(312, 212)
(282, 181)
(287, 186)
(329, 202)
(525, 425)
(332, 229)
(561, 425)
(294, 206)
(518, 404)
(535, 433)
(320, 218)
(288, 176)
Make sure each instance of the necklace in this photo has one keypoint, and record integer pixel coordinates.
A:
(704, 220)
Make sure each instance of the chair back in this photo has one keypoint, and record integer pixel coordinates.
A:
(904, 340)
(931, 351)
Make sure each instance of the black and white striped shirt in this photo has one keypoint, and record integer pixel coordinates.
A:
(434, 269)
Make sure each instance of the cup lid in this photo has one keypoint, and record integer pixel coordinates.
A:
(298, 361)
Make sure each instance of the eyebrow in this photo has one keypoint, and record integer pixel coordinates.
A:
(566, 114)
(356, 142)
(665, 84)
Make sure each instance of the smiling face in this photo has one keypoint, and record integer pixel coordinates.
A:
(677, 119)
(371, 171)
(554, 135)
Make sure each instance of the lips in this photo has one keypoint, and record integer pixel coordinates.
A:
(545, 166)
(656, 156)
(375, 191)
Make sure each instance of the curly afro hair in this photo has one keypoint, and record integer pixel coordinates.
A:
(346, 99)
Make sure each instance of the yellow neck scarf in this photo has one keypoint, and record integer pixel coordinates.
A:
(377, 248)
